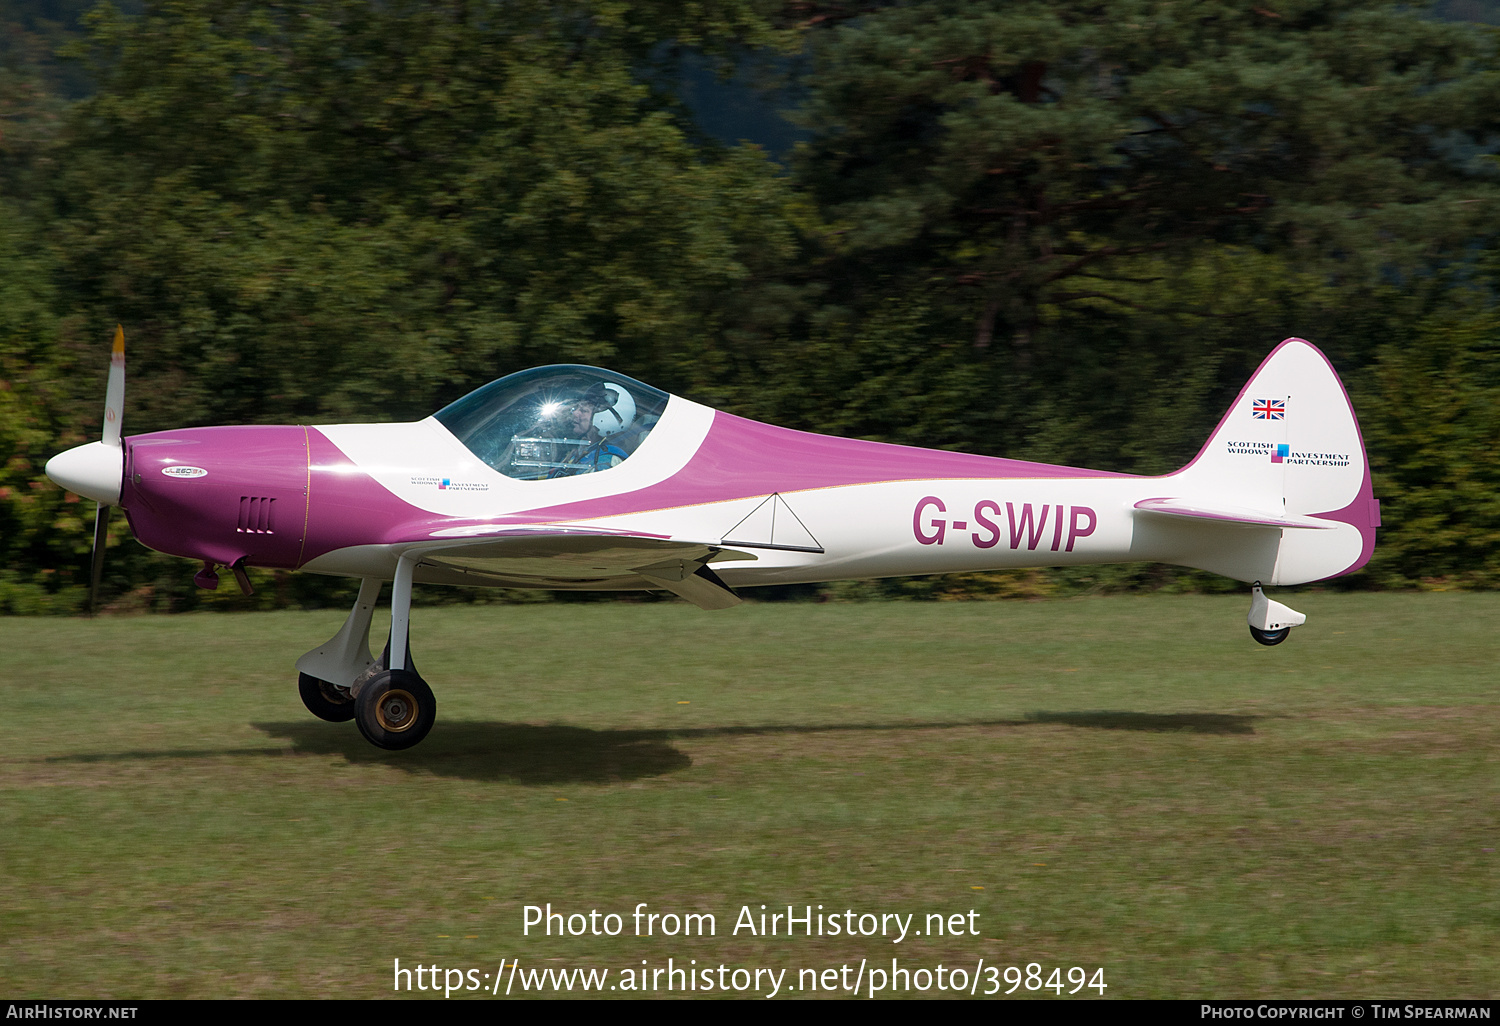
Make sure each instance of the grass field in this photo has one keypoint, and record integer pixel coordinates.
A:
(1127, 783)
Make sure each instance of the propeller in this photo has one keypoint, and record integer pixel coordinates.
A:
(101, 535)
(97, 470)
(114, 410)
(114, 392)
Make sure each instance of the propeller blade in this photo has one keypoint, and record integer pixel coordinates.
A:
(101, 532)
(114, 393)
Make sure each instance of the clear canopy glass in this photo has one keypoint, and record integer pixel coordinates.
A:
(557, 421)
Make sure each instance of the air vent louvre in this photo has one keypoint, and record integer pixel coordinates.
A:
(257, 515)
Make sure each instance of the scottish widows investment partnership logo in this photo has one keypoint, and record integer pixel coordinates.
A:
(447, 484)
(1281, 452)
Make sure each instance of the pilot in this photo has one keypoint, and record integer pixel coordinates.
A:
(602, 412)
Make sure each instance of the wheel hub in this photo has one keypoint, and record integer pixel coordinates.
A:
(396, 711)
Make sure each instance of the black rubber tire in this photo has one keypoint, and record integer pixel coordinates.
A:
(324, 700)
(395, 710)
(1270, 637)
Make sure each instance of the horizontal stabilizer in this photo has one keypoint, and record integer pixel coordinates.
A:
(1231, 516)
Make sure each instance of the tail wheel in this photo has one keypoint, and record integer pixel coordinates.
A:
(1270, 637)
(324, 700)
(395, 709)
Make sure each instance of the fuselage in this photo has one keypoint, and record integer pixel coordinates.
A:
(771, 505)
(346, 499)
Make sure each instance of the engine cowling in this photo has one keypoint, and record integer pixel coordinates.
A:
(220, 494)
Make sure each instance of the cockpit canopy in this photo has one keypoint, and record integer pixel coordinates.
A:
(557, 421)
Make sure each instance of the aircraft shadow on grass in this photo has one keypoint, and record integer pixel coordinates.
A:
(1192, 723)
(557, 754)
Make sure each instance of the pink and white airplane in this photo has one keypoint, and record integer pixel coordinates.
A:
(572, 477)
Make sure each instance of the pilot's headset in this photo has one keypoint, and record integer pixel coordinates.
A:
(617, 408)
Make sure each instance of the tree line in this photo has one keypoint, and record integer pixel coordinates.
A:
(1064, 231)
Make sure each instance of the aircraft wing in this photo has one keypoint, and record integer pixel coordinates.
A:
(576, 558)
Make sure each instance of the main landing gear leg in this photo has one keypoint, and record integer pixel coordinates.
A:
(395, 709)
(1271, 622)
(330, 671)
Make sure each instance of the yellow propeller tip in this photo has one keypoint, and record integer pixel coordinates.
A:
(119, 346)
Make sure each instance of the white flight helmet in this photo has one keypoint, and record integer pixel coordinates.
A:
(619, 415)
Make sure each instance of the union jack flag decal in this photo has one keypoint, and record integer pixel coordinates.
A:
(1269, 409)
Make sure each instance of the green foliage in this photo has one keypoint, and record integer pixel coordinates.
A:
(43, 532)
(1023, 154)
(349, 211)
(1060, 232)
(1432, 428)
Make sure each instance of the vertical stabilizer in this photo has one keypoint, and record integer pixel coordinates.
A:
(1290, 446)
